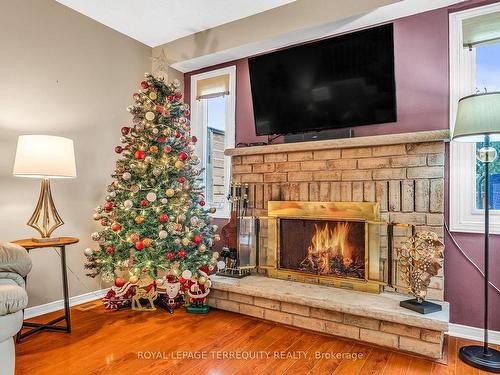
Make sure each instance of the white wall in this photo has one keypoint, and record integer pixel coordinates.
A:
(62, 73)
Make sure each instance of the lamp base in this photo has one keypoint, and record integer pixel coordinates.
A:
(48, 239)
(474, 355)
(425, 307)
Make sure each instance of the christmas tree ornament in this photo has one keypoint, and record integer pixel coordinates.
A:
(152, 95)
(96, 216)
(170, 256)
(88, 251)
(170, 192)
(128, 204)
(147, 242)
(134, 237)
(125, 130)
(202, 248)
(162, 234)
(139, 219)
(116, 227)
(150, 116)
(153, 149)
(109, 250)
(118, 149)
(185, 241)
(151, 197)
(134, 189)
(139, 245)
(126, 176)
(144, 85)
(95, 236)
(163, 218)
(144, 203)
(140, 154)
(197, 239)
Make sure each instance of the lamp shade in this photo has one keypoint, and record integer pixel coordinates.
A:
(44, 156)
(477, 116)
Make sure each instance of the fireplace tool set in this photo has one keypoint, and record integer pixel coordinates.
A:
(240, 235)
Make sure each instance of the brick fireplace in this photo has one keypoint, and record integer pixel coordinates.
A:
(319, 200)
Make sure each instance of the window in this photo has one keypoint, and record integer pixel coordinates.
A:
(213, 123)
(473, 68)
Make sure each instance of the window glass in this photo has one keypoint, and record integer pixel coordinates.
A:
(488, 80)
(216, 162)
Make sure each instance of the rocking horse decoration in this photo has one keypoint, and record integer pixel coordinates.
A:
(419, 259)
(146, 293)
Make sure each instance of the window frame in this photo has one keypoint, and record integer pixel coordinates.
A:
(463, 214)
(199, 127)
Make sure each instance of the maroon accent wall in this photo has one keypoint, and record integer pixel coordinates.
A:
(422, 89)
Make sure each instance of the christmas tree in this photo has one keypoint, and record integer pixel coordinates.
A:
(154, 219)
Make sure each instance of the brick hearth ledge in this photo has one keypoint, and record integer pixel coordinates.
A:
(372, 318)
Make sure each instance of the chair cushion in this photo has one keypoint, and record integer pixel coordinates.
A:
(13, 298)
(14, 258)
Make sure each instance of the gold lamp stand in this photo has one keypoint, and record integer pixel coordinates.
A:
(45, 218)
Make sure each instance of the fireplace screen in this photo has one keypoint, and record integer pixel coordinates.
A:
(323, 247)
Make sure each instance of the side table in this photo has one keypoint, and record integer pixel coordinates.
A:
(60, 243)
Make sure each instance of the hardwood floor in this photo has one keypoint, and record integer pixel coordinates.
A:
(128, 342)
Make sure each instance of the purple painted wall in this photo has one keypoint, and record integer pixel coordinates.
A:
(421, 66)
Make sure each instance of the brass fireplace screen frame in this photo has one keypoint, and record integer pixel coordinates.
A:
(377, 273)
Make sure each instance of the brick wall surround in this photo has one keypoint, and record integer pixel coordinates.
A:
(406, 178)
(398, 336)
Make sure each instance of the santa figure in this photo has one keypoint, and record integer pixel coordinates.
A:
(172, 297)
(197, 291)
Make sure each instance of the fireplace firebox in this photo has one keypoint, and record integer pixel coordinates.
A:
(343, 244)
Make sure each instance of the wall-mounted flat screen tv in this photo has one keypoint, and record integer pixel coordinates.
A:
(339, 82)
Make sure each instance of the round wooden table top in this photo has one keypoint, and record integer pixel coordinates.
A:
(28, 243)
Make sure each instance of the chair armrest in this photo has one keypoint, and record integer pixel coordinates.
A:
(15, 277)
(14, 258)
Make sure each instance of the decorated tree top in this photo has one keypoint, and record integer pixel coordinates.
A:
(154, 216)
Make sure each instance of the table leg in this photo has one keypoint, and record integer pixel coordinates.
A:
(65, 289)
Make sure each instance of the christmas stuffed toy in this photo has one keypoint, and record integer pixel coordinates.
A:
(119, 296)
(171, 295)
(197, 291)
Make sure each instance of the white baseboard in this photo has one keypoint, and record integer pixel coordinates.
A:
(472, 333)
(31, 312)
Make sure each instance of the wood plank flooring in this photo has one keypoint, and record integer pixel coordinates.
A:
(129, 342)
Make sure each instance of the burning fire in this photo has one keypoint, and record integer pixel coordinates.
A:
(329, 242)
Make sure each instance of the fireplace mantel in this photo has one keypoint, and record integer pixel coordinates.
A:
(375, 140)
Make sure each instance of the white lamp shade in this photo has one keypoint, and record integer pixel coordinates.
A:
(44, 156)
(478, 115)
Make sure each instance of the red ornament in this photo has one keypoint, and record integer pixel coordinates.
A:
(108, 206)
(182, 280)
(197, 239)
(144, 85)
(140, 154)
(170, 98)
(134, 237)
(178, 96)
(167, 149)
(119, 282)
(165, 113)
(159, 108)
(202, 203)
(118, 149)
(170, 256)
(182, 156)
(144, 202)
(182, 254)
(109, 250)
(104, 222)
(139, 245)
(163, 217)
(125, 130)
(194, 139)
(186, 113)
(177, 134)
(161, 139)
(115, 227)
(182, 179)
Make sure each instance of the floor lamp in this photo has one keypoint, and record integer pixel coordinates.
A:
(478, 120)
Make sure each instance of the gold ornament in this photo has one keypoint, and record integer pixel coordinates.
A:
(419, 259)
(153, 149)
(179, 164)
(185, 241)
(147, 242)
(202, 248)
(152, 95)
(169, 193)
(139, 219)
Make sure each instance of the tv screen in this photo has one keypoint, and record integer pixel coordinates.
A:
(339, 82)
